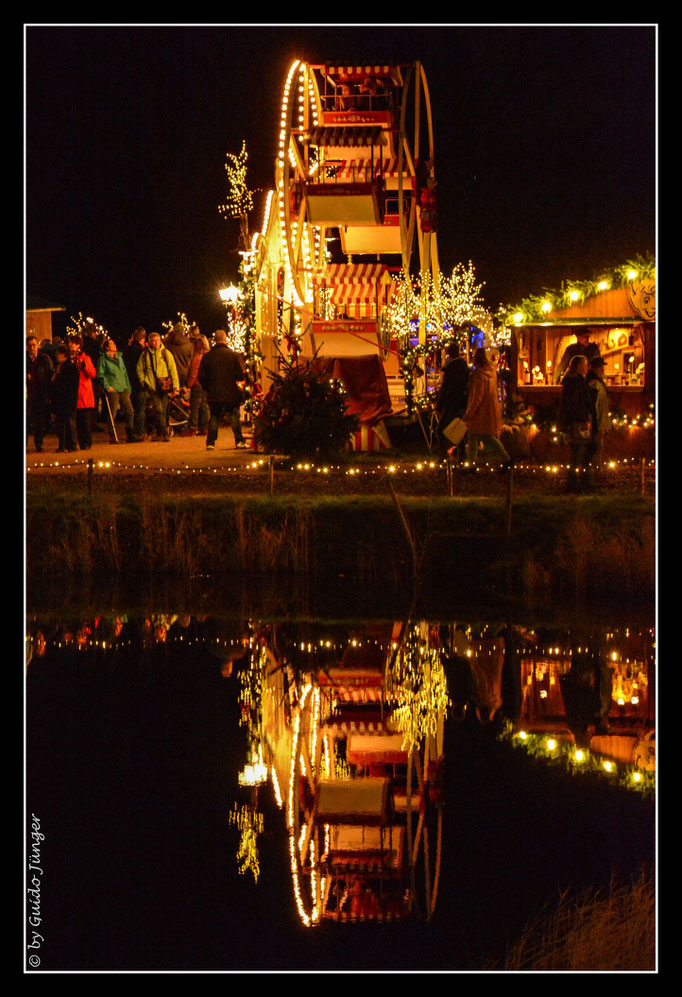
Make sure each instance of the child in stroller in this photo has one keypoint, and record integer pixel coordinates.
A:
(177, 413)
(177, 416)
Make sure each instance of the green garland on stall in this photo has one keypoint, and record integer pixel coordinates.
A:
(531, 308)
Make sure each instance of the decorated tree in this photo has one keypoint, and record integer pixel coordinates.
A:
(304, 413)
(444, 310)
(86, 327)
(239, 200)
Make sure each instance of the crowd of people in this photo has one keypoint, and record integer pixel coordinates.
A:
(74, 384)
(472, 396)
(70, 384)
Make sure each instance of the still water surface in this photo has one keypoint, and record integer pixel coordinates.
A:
(258, 794)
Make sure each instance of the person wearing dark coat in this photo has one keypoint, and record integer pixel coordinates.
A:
(577, 417)
(583, 347)
(138, 396)
(38, 377)
(220, 371)
(181, 346)
(64, 387)
(451, 401)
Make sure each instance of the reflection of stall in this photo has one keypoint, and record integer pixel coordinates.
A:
(621, 321)
(621, 672)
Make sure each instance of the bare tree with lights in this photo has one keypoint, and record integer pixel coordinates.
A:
(239, 201)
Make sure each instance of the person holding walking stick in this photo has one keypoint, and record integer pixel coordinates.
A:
(113, 376)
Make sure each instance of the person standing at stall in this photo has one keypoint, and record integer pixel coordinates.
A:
(577, 417)
(600, 395)
(483, 414)
(583, 347)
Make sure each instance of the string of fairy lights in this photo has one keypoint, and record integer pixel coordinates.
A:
(538, 308)
(560, 750)
(258, 465)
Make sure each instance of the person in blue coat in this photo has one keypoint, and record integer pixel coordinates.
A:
(113, 376)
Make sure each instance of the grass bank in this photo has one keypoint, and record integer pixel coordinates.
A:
(597, 546)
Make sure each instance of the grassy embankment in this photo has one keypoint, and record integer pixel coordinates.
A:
(608, 930)
(601, 546)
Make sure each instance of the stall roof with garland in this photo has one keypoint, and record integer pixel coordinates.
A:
(624, 294)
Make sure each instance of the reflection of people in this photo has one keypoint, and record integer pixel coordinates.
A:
(486, 667)
(483, 414)
(451, 401)
(582, 347)
(600, 396)
(586, 692)
(219, 371)
(576, 419)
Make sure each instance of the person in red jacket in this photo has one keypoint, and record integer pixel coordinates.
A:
(86, 392)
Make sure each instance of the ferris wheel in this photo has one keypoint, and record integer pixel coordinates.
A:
(366, 847)
(356, 156)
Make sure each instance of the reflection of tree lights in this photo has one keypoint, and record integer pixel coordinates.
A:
(250, 824)
(417, 684)
(253, 775)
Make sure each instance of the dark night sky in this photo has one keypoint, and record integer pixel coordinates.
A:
(545, 148)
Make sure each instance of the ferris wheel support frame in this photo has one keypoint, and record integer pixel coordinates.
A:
(426, 241)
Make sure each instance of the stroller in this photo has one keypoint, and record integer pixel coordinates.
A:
(177, 414)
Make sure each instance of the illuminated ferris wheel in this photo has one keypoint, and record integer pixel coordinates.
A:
(356, 156)
(367, 847)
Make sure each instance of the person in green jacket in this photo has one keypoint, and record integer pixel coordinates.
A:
(115, 382)
(158, 375)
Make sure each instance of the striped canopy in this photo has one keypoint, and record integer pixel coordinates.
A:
(338, 137)
(350, 169)
(352, 282)
(360, 72)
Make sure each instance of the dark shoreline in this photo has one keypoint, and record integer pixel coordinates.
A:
(598, 548)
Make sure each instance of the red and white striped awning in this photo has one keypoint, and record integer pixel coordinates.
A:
(355, 169)
(351, 282)
(360, 72)
(348, 137)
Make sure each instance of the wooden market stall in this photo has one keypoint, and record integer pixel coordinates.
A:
(621, 321)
